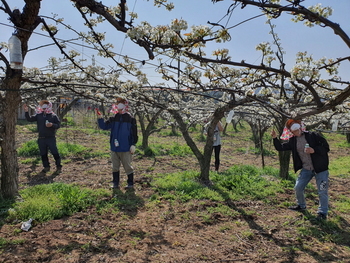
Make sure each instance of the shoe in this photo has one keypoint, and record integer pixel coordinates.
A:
(59, 169)
(129, 187)
(321, 216)
(45, 170)
(115, 186)
(297, 208)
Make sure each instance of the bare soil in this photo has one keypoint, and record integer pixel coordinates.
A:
(174, 232)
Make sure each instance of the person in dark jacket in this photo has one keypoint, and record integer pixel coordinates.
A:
(310, 155)
(123, 139)
(47, 124)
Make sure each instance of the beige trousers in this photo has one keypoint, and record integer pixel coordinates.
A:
(124, 158)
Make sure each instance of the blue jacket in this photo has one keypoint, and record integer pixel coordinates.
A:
(319, 158)
(41, 118)
(123, 130)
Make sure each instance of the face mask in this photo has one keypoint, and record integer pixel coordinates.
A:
(44, 106)
(121, 106)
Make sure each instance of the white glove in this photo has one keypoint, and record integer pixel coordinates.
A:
(132, 149)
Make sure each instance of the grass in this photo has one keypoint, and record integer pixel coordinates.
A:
(31, 149)
(47, 202)
(342, 204)
(172, 149)
(237, 183)
(4, 242)
(340, 166)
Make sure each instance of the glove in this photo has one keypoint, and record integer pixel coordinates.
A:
(132, 149)
(98, 112)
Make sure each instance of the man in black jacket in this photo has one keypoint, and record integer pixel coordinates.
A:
(310, 155)
(47, 123)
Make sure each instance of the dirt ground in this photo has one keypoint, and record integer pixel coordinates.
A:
(172, 232)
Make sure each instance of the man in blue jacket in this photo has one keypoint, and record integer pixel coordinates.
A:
(310, 155)
(47, 124)
(123, 139)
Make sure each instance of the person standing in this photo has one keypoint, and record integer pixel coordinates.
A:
(123, 139)
(47, 123)
(310, 156)
(216, 143)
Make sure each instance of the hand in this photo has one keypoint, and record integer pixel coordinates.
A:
(49, 124)
(309, 150)
(25, 107)
(273, 134)
(99, 114)
(132, 149)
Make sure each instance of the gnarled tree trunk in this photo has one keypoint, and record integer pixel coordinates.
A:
(9, 164)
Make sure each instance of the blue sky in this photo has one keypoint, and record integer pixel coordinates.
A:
(321, 42)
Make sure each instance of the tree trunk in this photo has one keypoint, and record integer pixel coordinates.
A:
(150, 127)
(144, 131)
(284, 158)
(66, 108)
(348, 137)
(9, 165)
(205, 157)
(173, 130)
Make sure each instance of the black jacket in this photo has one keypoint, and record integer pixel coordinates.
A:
(319, 158)
(40, 119)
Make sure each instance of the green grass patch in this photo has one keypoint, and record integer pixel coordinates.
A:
(174, 149)
(340, 166)
(4, 242)
(237, 183)
(31, 149)
(47, 202)
(343, 204)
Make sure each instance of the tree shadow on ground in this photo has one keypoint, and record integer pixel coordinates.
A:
(320, 230)
(42, 178)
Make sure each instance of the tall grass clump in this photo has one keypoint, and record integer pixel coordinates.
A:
(237, 183)
(247, 181)
(29, 149)
(183, 186)
(52, 201)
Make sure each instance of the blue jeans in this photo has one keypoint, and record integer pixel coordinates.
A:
(322, 187)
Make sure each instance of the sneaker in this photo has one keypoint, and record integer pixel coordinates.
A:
(321, 217)
(45, 170)
(129, 187)
(297, 208)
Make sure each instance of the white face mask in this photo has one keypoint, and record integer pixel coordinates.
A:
(44, 106)
(121, 106)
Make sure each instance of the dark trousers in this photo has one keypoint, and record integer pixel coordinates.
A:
(217, 150)
(46, 144)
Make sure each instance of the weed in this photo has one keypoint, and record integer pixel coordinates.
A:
(47, 202)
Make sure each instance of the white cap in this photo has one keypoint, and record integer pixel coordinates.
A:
(295, 126)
